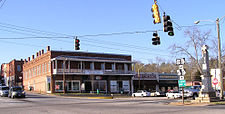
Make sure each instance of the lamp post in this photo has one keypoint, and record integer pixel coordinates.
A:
(219, 51)
(139, 81)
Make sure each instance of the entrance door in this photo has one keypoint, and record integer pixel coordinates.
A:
(48, 88)
(69, 86)
(88, 87)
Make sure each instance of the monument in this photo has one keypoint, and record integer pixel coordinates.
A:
(207, 93)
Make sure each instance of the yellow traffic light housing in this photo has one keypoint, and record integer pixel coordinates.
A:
(156, 14)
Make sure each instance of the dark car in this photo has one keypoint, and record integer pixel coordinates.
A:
(4, 91)
(16, 92)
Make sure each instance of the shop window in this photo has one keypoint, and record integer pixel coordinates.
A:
(76, 86)
(59, 86)
(73, 85)
(100, 85)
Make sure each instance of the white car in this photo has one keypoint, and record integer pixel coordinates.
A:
(141, 93)
(173, 94)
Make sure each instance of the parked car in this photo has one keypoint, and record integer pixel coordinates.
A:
(16, 92)
(141, 93)
(173, 94)
(158, 93)
(4, 91)
(193, 91)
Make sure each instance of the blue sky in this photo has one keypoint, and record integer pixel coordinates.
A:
(90, 17)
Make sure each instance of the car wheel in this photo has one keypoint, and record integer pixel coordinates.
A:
(173, 97)
(142, 95)
(195, 96)
(134, 95)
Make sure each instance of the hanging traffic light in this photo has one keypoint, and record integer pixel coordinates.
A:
(156, 14)
(155, 39)
(167, 25)
(77, 44)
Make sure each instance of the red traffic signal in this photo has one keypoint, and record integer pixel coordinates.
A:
(77, 44)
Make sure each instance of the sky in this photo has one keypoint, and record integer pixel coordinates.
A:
(95, 22)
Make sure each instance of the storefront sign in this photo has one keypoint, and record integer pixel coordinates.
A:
(146, 77)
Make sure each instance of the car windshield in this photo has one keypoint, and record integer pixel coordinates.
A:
(139, 91)
(17, 89)
(5, 88)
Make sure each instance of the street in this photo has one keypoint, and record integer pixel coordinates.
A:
(36, 104)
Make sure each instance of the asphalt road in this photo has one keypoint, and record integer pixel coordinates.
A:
(41, 104)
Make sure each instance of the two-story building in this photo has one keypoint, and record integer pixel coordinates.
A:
(75, 71)
(12, 72)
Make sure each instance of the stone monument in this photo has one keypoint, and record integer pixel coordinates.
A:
(207, 93)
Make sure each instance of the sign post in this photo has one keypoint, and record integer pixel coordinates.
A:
(181, 72)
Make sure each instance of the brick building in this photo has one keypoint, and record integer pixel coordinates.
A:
(12, 72)
(81, 72)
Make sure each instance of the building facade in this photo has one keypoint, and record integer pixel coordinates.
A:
(155, 81)
(69, 71)
(12, 73)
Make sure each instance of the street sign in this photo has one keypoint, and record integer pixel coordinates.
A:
(181, 77)
(183, 71)
(215, 81)
(180, 61)
(179, 72)
(181, 66)
(182, 83)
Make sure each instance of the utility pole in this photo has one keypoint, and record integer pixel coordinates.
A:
(219, 53)
(139, 81)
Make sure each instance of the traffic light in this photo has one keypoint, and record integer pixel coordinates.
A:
(155, 15)
(77, 44)
(155, 39)
(168, 26)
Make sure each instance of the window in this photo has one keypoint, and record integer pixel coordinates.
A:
(26, 72)
(76, 86)
(18, 68)
(73, 85)
(43, 68)
(49, 67)
(59, 86)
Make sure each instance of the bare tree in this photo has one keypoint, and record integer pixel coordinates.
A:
(192, 47)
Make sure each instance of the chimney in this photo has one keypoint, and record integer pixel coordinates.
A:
(32, 57)
(48, 48)
(28, 58)
(42, 51)
(39, 53)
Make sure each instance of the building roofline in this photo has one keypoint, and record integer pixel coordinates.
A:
(91, 52)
